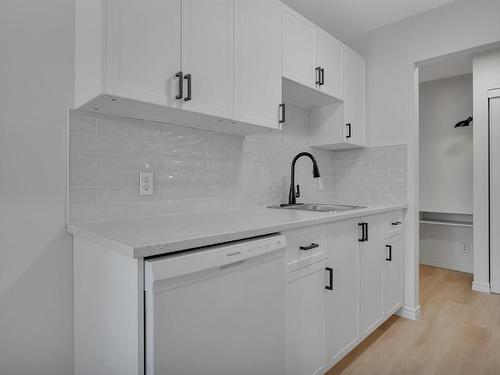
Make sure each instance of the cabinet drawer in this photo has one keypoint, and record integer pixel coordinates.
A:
(305, 246)
(393, 222)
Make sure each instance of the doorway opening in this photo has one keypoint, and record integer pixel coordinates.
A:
(456, 147)
(446, 163)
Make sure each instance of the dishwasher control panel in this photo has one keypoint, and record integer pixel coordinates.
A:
(209, 257)
(250, 248)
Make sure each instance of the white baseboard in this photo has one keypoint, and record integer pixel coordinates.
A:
(480, 287)
(407, 312)
(453, 267)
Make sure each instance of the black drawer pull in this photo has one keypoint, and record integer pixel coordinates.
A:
(322, 76)
(330, 278)
(180, 76)
(396, 223)
(282, 112)
(318, 75)
(390, 253)
(311, 246)
(362, 239)
(348, 130)
(188, 97)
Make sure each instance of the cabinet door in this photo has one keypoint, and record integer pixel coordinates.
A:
(371, 275)
(143, 50)
(342, 302)
(207, 55)
(257, 62)
(354, 97)
(330, 61)
(305, 320)
(393, 278)
(299, 51)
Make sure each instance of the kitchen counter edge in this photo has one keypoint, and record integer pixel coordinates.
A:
(192, 242)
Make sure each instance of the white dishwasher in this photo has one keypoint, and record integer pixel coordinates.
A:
(218, 310)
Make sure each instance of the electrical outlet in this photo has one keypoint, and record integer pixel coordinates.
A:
(466, 248)
(146, 186)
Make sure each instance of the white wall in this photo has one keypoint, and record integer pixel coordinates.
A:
(441, 246)
(445, 151)
(36, 319)
(486, 71)
(392, 95)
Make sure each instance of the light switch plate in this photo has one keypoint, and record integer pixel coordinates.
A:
(146, 186)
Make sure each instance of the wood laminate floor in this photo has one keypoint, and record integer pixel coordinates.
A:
(458, 333)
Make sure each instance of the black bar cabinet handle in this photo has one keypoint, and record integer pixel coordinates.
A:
(188, 97)
(362, 226)
(318, 75)
(282, 113)
(390, 253)
(366, 231)
(396, 223)
(180, 76)
(330, 278)
(322, 76)
(309, 247)
(348, 130)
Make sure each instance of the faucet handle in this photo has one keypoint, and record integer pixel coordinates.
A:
(297, 192)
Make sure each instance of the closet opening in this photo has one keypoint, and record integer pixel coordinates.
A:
(446, 163)
(459, 168)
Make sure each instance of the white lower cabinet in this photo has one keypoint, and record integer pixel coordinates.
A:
(341, 280)
(333, 304)
(305, 320)
(393, 274)
(371, 311)
(342, 301)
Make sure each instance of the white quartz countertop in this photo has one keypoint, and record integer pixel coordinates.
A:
(161, 235)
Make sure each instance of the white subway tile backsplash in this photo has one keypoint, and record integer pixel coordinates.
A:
(82, 196)
(82, 160)
(82, 125)
(98, 212)
(196, 170)
(97, 178)
(160, 208)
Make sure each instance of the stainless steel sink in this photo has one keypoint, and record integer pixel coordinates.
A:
(323, 207)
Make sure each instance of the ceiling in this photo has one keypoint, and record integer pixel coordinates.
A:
(449, 66)
(347, 19)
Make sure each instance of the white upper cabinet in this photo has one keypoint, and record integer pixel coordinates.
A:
(329, 61)
(222, 65)
(354, 106)
(207, 56)
(140, 63)
(342, 124)
(299, 49)
(312, 60)
(173, 61)
(140, 55)
(257, 62)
